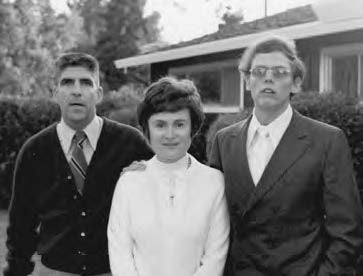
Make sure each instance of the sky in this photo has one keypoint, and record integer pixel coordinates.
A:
(183, 20)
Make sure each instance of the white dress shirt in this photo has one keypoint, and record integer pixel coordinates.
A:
(169, 220)
(92, 130)
(275, 129)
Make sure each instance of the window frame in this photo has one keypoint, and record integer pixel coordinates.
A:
(209, 66)
(326, 65)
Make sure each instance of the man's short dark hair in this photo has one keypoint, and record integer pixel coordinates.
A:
(171, 95)
(77, 59)
(270, 44)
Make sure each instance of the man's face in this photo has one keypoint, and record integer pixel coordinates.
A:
(271, 88)
(77, 94)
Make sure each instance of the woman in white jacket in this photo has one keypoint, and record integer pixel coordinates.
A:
(170, 218)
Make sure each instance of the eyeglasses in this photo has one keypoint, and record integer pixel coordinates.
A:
(278, 72)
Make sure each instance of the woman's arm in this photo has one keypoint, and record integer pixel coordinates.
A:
(120, 243)
(216, 247)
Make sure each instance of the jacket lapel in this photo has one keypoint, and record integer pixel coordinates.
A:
(292, 146)
(238, 176)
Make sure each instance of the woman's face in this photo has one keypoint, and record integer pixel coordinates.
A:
(170, 134)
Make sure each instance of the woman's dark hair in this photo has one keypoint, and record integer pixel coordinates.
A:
(171, 95)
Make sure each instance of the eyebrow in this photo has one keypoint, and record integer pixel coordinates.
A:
(72, 80)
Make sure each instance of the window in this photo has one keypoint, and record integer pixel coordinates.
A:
(218, 84)
(341, 69)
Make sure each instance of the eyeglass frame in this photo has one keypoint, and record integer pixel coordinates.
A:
(274, 69)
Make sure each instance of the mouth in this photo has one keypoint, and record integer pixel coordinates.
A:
(170, 144)
(76, 104)
(268, 91)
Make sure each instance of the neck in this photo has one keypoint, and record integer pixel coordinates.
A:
(266, 116)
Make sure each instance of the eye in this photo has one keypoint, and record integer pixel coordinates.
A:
(259, 71)
(180, 124)
(280, 71)
(159, 124)
(86, 82)
(65, 82)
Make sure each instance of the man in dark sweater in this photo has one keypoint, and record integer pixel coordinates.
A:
(65, 177)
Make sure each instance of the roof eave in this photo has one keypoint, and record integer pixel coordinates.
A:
(300, 31)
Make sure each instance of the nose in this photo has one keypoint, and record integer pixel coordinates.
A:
(76, 89)
(169, 133)
(269, 75)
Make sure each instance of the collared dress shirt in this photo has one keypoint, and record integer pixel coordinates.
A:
(92, 130)
(170, 219)
(276, 130)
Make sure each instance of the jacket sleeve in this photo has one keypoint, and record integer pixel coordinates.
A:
(216, 247)
(120, 242)
(343, 210)
(214, 159)
(22, 233)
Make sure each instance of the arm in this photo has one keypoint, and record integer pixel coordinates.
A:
(343, 209)
(216, 247)
(23, 220)
(120, 242)
(214, 159)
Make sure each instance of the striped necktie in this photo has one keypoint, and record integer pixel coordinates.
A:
(78, 161)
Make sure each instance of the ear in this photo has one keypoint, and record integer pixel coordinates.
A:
(54, 91)
(247, 80)
(296, 86)
(99, 94)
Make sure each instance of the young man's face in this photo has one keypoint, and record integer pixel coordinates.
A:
(77, 94)
(271, 88)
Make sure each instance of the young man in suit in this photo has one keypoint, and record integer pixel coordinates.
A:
(64, 180)
(290, 187)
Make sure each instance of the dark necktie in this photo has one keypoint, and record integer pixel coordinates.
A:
(78, 161)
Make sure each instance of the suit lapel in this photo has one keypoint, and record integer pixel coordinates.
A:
(292, 146)
(243, 174)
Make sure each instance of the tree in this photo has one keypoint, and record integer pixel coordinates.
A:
(32, 37)
(116, 29)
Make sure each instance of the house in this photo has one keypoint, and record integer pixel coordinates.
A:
(329, 39)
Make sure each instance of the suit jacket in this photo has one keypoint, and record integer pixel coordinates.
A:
(304, 217)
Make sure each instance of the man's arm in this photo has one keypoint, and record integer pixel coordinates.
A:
(214, 159)
(23, 220)
(343, 210)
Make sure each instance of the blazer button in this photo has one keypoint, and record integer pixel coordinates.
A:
(69, 177)
(84, 268)
(83, 234)
(83, 214)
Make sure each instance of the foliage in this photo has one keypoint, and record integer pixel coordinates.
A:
(31, 37)
(332, 108)
(19, 119)
(116, 29)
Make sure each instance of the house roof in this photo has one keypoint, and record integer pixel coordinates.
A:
(290, 17)
(297, 23)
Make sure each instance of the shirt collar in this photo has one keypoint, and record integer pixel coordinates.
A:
(276, 128)
(92, 130)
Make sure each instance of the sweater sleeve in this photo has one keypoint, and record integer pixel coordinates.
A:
(23, 219)
(216, 247)
(120, 242)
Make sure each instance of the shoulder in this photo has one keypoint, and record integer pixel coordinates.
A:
(232, 129)
(207, 176)
(113, 127)
(319, 128)
(135, 179)
(41, 139)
